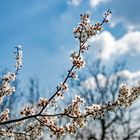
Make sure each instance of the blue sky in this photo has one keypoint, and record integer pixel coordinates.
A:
(44, 29)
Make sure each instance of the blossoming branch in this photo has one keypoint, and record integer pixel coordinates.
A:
(5, 87)
(41, 116)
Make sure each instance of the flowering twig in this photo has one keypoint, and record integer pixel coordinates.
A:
(40, 116)
(10, 77)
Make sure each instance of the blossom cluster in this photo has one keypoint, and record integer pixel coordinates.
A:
(34, 131)
(74, 108)
(85, 29)
(62, 88)
(128, 95)
(6, 87)
(95, 110)
(28, 110)
(77, 60)
(42, 102)
(4, 115)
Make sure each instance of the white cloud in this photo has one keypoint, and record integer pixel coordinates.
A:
(95, 3)
(90, 83)
(74, 2)
(130, 78)
(113, 48)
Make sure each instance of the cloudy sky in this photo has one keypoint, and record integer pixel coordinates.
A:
(44, 29)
